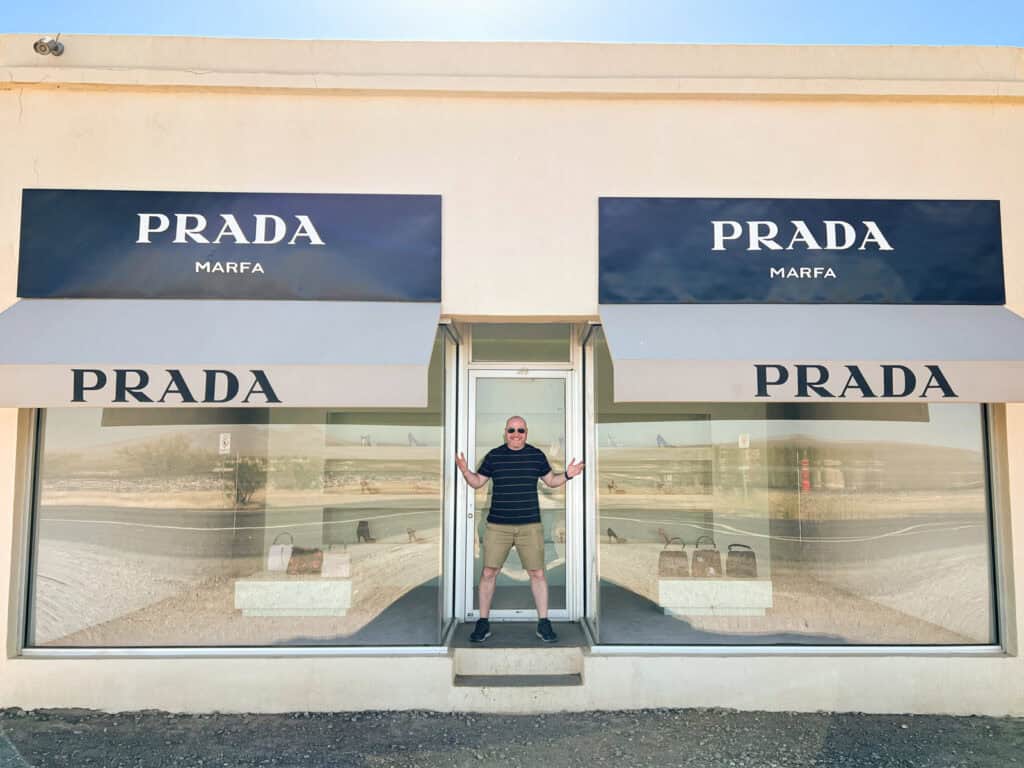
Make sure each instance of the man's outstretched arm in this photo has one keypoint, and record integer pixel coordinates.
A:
(473, 480)
(551, 480)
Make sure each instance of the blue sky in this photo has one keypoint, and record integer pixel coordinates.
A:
(858, 22)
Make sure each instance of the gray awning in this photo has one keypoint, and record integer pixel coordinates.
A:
(802, 353)
(309, 353)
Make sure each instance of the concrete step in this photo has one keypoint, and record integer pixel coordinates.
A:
(517, 681)
(520, 634)
(544, 660)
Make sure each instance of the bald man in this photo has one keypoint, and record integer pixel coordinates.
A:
(514, 519)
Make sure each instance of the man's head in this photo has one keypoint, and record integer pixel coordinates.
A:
(515, 432)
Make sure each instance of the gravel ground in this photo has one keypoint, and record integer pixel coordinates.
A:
(705, 738)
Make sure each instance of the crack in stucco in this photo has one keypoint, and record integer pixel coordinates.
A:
(21, 107)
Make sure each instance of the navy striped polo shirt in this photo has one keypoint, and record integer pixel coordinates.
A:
(514, 475)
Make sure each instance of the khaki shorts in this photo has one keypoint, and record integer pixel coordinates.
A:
(528, 540)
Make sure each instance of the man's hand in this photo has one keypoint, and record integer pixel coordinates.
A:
(473, 480)
(551, 480)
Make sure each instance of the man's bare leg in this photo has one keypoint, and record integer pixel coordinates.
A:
(488, 578)
(539, 586)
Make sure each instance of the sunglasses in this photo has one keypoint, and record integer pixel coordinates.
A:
(513, 430)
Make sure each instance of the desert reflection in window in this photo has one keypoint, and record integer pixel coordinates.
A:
(239, 527)
(845, 524)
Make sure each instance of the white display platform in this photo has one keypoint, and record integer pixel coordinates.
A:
(714, 597)
(277, 595)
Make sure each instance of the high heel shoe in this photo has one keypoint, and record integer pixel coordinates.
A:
(363, 532)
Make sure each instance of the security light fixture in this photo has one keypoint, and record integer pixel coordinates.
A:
(44, 46)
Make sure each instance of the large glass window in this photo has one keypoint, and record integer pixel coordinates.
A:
(782, 524)
(238, 527)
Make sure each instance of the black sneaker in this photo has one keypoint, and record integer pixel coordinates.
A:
(481, 631)
(545, 632)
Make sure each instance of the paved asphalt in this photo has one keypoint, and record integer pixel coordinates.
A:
(704, 738)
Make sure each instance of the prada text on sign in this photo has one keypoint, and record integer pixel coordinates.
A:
(799, 251)
(208, 245)
(890, 381)
(137, 385)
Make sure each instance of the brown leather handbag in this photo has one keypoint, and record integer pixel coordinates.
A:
(305, 562)
(741, 562)
(707, 561)
(673, 563)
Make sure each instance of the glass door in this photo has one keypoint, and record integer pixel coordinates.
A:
(540, 397)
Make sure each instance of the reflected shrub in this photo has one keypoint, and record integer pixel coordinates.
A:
(250, 477)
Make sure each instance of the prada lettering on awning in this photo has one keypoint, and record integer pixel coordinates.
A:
(174, 353)
(802, 353)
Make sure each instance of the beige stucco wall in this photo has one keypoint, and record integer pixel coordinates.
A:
(520, 140)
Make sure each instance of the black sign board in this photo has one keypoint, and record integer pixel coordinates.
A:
(753, 250)
(205, 245)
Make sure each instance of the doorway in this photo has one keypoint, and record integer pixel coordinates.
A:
(545, 399)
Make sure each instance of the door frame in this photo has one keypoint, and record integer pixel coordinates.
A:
(575, 550)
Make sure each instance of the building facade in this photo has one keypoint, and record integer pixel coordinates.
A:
(260, 293)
